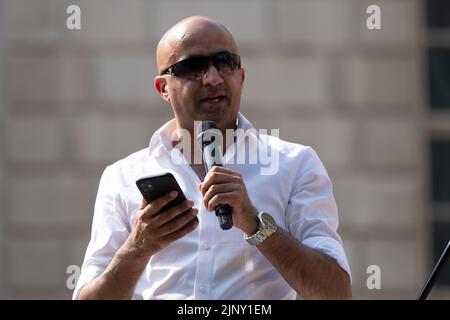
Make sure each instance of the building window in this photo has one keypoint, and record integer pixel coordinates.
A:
(439, 78)
(438, 62)
(440, 173)
(438, 14)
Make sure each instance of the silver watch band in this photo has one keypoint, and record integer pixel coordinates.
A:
(266, 227)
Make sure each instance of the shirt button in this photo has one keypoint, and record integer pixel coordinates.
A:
(202, 289)
(205, 246)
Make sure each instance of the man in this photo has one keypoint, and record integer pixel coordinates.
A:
(139, 251)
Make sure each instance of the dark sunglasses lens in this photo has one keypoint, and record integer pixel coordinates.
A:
(191, 68)
(226, 62)
(194, 68)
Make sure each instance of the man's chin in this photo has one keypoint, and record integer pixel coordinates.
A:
(209, 114)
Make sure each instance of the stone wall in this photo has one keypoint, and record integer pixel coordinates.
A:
(81, 99)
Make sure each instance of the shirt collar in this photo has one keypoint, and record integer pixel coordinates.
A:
(161, 139)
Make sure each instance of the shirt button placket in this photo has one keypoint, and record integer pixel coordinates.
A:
(205, 263)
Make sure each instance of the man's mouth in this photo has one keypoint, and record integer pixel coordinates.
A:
(215, 99)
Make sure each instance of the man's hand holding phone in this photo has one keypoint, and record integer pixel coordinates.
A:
(155, 229)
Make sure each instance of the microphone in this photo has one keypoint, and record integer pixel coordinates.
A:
(209, 140)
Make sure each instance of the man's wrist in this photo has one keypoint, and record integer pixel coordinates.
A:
(252, 225)
(129, 251)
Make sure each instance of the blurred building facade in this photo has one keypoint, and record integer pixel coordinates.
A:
(75, 101)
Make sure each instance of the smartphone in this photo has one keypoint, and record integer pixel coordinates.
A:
(155, 186)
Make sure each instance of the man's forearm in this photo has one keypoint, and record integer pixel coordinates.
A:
(118, 281)
(311, 273)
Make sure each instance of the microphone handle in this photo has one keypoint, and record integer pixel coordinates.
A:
(223, 213)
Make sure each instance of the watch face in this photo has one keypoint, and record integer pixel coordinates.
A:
(268, 221)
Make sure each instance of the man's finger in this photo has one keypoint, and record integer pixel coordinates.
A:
(156, 205)
(143, 204)
(172, 213)
(187, 228)
(218, 189)
(178, 222)
(215, 178)
(222, 198)
(223, 170)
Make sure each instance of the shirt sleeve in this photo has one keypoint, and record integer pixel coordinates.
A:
(312, 214)
(109, 231)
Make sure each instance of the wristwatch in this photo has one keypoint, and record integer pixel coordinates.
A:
(266, 227)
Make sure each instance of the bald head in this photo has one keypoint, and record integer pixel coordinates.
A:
(192, 35)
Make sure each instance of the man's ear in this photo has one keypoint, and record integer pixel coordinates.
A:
(242, 74)
(161, 87)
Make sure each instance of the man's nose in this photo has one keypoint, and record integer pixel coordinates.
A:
(212, 76)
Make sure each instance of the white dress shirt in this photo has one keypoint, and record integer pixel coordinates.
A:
(209, 263)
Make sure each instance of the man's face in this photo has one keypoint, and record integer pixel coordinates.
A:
(214, 97)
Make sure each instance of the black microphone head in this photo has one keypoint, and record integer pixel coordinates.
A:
(204, 127)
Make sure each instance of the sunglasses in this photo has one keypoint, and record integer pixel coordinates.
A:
(195, 67)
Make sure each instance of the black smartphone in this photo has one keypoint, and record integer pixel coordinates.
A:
(155, 186)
